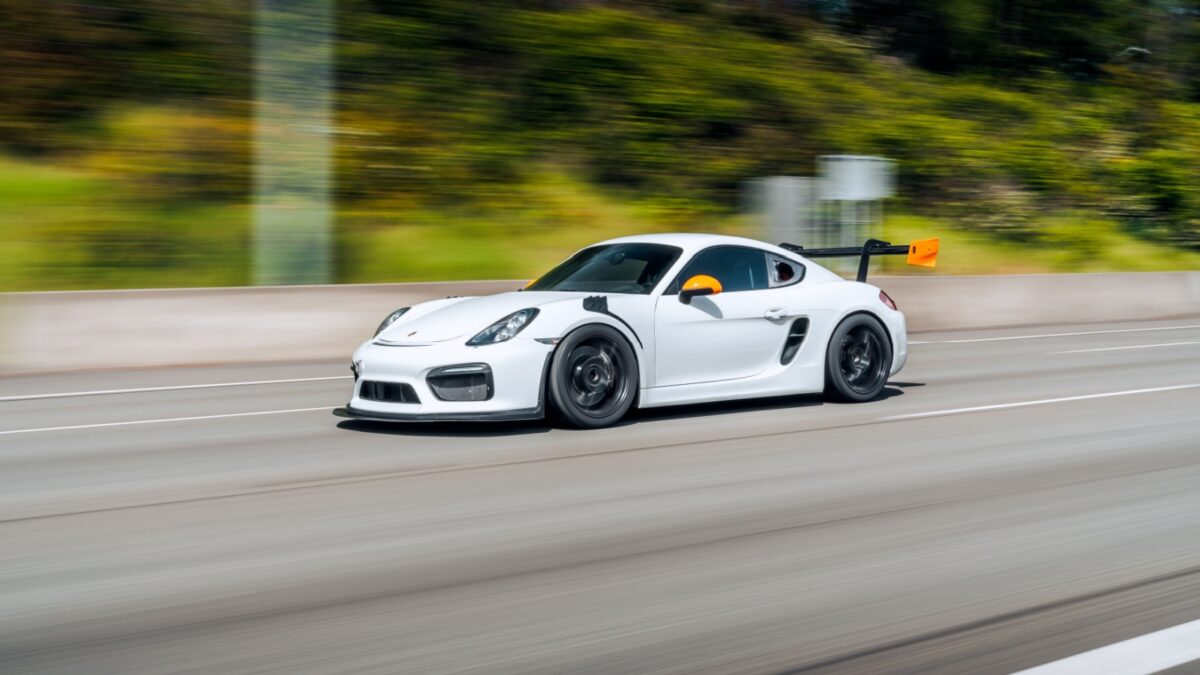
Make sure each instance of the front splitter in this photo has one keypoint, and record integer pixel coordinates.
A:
(489, 416)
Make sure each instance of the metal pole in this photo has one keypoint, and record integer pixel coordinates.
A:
(293, 124)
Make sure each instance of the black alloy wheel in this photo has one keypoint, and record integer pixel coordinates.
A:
(858, 360)
(593, 377)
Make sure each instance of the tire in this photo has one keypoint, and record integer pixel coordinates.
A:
(858, 360)
(593, 377)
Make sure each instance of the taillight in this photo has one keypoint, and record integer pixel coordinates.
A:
(887, 300)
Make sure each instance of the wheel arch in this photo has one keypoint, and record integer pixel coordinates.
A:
(635, 343)
(600, 320)
(887, 332)
(634, 347)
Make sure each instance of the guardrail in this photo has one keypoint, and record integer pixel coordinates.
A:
(61, 331)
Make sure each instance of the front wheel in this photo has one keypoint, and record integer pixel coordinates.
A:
(858, 361)
(593, 377)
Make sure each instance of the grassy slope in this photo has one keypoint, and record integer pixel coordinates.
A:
(495, 173)
(65, 229)
(1065, 244)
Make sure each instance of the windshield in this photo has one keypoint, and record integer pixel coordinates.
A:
(611, 268)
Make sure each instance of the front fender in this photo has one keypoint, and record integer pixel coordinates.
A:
(623, 314)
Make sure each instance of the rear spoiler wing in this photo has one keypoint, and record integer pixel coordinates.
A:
(922, 253)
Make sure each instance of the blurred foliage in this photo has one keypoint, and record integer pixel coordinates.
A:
(65, 63)
(174, 151)
(480, 139)
(63, 229)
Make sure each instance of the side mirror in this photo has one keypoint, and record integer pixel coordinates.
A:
(701, 284)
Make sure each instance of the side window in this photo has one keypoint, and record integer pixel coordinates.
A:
(783, 272)
(737, 268)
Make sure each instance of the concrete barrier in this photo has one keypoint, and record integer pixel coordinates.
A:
(42, 332)
(138, 328)
(953, 302)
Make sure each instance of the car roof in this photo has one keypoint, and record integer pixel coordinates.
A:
(692, 242)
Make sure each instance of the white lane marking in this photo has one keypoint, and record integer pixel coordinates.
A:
(69, 394)
(1025, 404)
(1117, 349)
(1149, 653)
(161, 421)
(1054, 335)
(919, 342)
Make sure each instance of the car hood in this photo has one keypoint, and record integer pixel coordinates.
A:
(466, 317)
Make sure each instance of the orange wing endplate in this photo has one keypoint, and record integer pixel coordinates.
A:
(923, 253)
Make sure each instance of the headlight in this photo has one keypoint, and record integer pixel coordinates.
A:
(391, 319)
(504, 329)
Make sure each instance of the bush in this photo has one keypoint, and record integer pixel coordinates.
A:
(172, 154)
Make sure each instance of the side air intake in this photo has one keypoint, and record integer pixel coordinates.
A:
(795, 338)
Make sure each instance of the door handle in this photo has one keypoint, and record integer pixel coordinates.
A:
(775, 313)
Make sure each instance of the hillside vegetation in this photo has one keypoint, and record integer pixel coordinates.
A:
(482, 140)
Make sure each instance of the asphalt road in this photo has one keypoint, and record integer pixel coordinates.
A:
(936, 530)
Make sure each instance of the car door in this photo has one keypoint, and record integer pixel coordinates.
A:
(734, 334)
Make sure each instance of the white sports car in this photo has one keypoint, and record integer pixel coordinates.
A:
(640, 321)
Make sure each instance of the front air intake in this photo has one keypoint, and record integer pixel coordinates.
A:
(795, 338)
(465, 382)
(388, 392)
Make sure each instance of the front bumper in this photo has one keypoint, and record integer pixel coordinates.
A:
(518, 376)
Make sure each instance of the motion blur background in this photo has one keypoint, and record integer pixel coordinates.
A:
(483, 140)
(175, 495)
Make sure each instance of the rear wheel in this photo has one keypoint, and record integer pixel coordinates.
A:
(859, 359)
(593, 377)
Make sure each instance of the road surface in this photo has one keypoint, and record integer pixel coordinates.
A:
(1018, 497)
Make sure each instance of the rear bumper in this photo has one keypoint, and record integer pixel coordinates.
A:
(898, 326)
